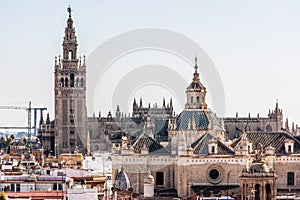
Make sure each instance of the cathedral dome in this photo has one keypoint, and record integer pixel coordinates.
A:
(197, 119)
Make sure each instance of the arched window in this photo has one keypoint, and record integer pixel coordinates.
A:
(257, 192)
(66, 82)
(269, 128)
(192, 99)
(197, 99)
(72, 80)
(77, 82)
(268, 192)
(70, 55)
(290, 178)
(62, 82)
(81, 82)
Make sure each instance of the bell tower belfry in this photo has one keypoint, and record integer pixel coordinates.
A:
(70, 96)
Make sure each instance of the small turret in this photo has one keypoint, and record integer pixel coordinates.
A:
(141, 103)
(48, 119)
(118, 113)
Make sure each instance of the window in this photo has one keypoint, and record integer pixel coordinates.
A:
(159, 178)
(213, 149)
(192, 99)
(77, 82)
(18, 187)
(197, 99)
(81, 82)
(62, 82)
(71, 80)
(290, 178)
(70, 55)
(269, 128)
(214, 174)
(57, 186)
(268, 192)
(289, 148)
(71, 119)
(72, 144)
(66, 82)
(256, 192)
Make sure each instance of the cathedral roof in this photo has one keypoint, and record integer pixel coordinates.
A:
(273, 139)
(200, 146)
(197, 119)
(146, 141)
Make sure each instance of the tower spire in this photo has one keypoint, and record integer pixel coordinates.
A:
(196, 74)
(196, 64)
(70, 40)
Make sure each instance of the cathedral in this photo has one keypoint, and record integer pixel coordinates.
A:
(198, 159)
(191, 154)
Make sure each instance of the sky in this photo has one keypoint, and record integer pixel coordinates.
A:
(254, 45)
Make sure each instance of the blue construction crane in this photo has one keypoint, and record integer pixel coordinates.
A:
(28, 109)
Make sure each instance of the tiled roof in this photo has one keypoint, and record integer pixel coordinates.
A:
(200, 146)
(185, 119)
(144, 140)
(273, 139)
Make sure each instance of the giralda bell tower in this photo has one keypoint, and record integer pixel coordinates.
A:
(70, 96)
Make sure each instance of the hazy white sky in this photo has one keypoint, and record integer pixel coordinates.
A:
(255, 45)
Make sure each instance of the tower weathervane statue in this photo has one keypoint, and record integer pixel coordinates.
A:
(69, 10)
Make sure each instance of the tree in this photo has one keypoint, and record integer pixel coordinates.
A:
(12, 136)
(2, 142)
(2, 196)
